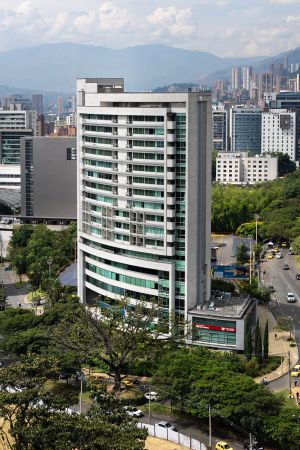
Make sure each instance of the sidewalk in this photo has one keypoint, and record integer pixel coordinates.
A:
(278, 346)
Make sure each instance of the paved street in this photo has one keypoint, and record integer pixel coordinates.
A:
(15, 296)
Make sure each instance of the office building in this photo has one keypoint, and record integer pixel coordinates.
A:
(48, 180)
(143, 195)
(16, 103)
(290, 101)
(37, 103)
(220, 130)
(10, 176)
(265, 84)
(245, 129)
(241, 169)
(278, 130)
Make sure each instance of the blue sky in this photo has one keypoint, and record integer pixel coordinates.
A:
(222, 27)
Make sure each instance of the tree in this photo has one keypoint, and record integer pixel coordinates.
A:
(248, 339)
(34, 417)
(242, 254)
(258, 342)
(118, 337)
(295, 245)
(266, 341)
(285, 165)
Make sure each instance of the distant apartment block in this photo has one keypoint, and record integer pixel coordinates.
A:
(220, 130)
(37, 103)
(48, 180)
(245, 130)
(241, 169)
(278, 130)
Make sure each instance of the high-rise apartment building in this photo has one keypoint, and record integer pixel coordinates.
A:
(290, 101)
(246, 77)
(265, 84)
(144, 162)
(236, 78)
(59, 106)
(37, 103)
(245, 130)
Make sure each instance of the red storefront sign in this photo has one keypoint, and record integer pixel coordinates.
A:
(214, 327)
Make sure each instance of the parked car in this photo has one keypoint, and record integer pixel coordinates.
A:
(269, 256)
(286, 267)
(297, 276)
(284, 244)
(296, 371)
(132, 411)
(151, 396)
(222, 445)
(166, 425)
(127, 383)
(291, 297)
(278, 255)
(270, 287)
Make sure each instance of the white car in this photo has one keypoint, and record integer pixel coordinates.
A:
(291, 297)
(151, 395)
(132, 411)
(166, 425)
(278, 255)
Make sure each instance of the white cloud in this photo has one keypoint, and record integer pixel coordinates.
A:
(284, 2)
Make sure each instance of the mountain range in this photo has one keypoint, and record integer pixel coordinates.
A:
(55, 67)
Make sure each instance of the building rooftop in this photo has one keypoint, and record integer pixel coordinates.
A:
(224, 305)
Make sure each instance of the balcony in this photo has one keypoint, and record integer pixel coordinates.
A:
(171, 138)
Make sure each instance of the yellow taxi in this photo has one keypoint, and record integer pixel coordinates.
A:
(221, 445)
(295, 371)
(269, 256)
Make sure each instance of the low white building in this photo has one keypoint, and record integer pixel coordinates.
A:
(278, 132)
(10, 176)
(240, 168)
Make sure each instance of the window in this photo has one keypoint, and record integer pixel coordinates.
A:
(71, 153)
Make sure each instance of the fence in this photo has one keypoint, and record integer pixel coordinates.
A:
(173, 436)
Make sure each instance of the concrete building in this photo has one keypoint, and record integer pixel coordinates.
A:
(278, 130)
(245, 129)
(246, 77)
(290, 101)
(220, 130)
(10, 176)
(144, 172)
(60, 105)
(48, 180)
(241, 169)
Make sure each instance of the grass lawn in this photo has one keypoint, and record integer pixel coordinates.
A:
(288, 402)
(297, 259)
(160, 444)
(37, 293)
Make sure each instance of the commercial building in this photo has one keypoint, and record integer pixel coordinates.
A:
(220, 130)
(144, 175)
(220, 323)
(240, 168)
(245, 129)
(10, 176)
(48, 180)
(236, 78)
(278, 129)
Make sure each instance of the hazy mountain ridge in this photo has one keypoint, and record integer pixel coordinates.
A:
(55, 67)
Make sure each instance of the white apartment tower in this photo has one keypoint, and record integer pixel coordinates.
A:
(278, 132)
(144, 162)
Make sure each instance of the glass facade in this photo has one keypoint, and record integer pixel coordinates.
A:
(214, 331)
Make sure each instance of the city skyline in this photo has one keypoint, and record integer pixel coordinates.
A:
(224, 27)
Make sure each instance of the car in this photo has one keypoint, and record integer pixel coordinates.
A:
(286, 267)
(151, 395)
(295, 372)
(127, 383)
(132, 411)
(290, 252)
(166, 425)
(269, 256)
(222, 445)
(297, 276)
(284, 244)
(270, 287)
(278, 255)
(291, 297)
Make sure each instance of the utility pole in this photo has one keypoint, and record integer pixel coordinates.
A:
(149, 405)
(250, 268)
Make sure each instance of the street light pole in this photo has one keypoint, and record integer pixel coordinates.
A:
(256, 219)
(250, 267)
(149, 406)
(209, 426)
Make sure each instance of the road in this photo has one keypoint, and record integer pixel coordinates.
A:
(15, 296)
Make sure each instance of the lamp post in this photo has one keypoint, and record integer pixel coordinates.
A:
(49, 262)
